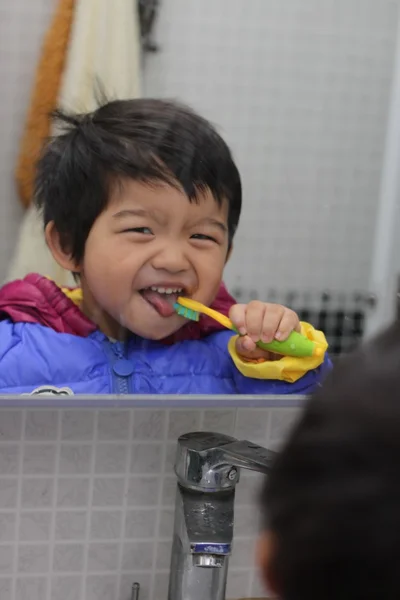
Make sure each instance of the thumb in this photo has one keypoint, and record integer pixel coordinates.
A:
(246, 348)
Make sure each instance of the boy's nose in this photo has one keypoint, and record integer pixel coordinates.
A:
(171, 259)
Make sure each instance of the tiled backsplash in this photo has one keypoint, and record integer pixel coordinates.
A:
(87, 499)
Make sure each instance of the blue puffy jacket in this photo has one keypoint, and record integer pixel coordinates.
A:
(32, 356)
(46, 341)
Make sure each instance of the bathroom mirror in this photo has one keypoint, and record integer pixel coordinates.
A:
(306, 92)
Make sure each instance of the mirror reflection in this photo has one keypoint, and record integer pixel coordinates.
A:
(162, 159)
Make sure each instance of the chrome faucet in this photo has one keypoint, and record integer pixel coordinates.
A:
(208, 467)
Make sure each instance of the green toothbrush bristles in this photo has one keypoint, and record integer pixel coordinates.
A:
(188, 313)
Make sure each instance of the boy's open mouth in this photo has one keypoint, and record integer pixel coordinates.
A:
(162, 299)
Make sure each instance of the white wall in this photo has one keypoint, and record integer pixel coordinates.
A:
(22, 26)
(300, 89)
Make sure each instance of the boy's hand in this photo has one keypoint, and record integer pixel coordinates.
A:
(261, 321)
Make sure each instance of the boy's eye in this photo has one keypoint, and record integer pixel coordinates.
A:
(144, 230)
(201, 236)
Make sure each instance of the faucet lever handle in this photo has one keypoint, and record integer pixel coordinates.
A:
(247, 455)
(204, 460)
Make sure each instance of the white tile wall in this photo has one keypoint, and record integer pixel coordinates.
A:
(87, 499)
(300, 89)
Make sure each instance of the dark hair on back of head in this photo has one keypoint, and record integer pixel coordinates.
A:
(145, 140)
(332, 501)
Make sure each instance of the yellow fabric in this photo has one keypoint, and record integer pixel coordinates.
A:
(44, 97)
(288, 368)
(75, 295)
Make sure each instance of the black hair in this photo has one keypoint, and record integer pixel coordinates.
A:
(144, 139)
(332, 501)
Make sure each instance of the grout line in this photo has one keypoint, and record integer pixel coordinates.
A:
(157, 537)
(235, 420)
(54, 504)
(89, 510)
(91, 573)
(269, 427)
(125, 501)
(202, 419)
(18, 506)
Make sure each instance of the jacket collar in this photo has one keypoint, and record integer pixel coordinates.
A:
(37, 299)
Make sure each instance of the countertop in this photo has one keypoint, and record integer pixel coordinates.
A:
(156, 401)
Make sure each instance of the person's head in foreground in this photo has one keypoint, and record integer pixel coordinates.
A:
(159, 202)
(332, 501)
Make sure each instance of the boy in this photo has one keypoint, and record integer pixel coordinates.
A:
(141, 200)
(331, 502)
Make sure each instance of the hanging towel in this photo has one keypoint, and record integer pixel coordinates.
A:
(103, 56)
(31, 253)
(44, 97)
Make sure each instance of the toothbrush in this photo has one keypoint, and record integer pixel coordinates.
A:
(296, 344)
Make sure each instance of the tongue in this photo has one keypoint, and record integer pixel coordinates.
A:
(163, 303)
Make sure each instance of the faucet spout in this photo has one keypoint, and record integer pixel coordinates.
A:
(208, 467)
(201, 545)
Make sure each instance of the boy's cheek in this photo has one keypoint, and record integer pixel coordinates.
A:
(209, 285)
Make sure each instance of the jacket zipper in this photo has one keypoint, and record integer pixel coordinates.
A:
(121, 368)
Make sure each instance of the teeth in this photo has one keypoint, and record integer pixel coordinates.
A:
(162, 290)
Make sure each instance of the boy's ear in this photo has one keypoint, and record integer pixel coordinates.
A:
(61, 256)
(229, 253)
(266, 549)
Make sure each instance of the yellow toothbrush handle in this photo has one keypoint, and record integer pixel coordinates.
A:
(296, 344)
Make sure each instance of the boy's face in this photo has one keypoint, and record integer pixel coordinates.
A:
(148, 247)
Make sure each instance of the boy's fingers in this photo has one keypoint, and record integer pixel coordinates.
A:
(245, 345)
(288, 323)
(246, 348)
(237, 315)
(255, 314)
(272, 319)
